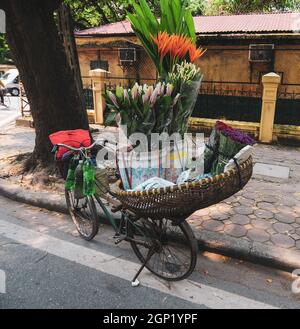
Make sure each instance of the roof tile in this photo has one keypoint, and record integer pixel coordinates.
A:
(278, 22)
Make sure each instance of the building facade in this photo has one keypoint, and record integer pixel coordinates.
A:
(240, 50)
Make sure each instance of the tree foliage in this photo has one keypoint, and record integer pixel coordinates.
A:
(5, 56)
(89, 13)
(214, 7)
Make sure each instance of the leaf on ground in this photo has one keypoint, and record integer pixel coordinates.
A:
(269, 280)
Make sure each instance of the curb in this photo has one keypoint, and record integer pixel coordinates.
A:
(255, 252)
(44, 200)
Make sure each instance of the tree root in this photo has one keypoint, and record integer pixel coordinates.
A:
(27, 163)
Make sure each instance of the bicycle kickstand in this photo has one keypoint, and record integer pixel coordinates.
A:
(135, 282)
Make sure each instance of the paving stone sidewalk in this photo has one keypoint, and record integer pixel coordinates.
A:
(267, 211)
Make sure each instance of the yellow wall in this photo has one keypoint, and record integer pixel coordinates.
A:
(224, 65)
(93, 49)
(289, 63)
(216, 65)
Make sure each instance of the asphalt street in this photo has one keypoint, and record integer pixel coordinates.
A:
(46, 265)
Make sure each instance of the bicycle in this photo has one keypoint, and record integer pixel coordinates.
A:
(165, 246)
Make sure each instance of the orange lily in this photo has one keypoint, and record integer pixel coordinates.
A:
(163, 43)
(177, 46)
(195, 53)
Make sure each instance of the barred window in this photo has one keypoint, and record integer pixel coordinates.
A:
(99, 64)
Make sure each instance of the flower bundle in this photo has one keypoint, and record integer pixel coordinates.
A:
(234, 134)
(224, 143)
(173, 49)
(231, 141)
(142, 108)
(184, 73)
(169, 40)
(177, 46)
(186, 79)
(171, 43)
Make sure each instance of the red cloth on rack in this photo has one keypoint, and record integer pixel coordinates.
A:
(75, 138)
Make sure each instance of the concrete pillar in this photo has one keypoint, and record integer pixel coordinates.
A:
(98, 76)
(270, 82)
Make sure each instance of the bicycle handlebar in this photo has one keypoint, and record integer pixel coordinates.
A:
(82, 148)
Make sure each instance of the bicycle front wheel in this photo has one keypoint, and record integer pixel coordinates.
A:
(84, 215)
(174, 248)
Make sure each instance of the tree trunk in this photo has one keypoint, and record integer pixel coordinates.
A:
(66, 30)
(44, 70)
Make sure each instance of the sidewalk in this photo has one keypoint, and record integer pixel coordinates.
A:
(260, 223)
(10, 111)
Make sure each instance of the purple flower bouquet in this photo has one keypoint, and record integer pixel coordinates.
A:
(230, 143)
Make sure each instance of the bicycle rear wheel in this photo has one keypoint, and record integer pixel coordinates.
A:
(174, 247)
(84, 215)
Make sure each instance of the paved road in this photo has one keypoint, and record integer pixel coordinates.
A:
(11, 112)
(48, 266)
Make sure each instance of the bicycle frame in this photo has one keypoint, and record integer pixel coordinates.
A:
(125, 218)
(129, 228)
(124, 222)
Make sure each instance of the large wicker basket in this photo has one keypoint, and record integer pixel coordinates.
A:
(180, 201)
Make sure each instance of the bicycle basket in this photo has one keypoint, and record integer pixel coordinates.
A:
(102, 183)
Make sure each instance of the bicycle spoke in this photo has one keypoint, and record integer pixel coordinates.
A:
(174, 257)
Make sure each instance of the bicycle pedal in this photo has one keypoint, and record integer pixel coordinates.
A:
(118, 239)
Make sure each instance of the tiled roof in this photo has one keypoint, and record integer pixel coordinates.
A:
(253, 23)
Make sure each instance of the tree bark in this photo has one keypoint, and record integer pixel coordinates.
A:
(44, 70)
(66, 30)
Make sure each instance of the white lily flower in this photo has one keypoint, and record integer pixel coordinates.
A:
(126, 95)
(158, 87)
(140, 90)
(145, 88)
(150, 90)
(154, 95)
(146, 96)
(170, 89)
(134, 91)
(113, 98)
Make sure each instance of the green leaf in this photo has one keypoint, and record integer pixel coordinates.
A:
(167, 17)
(190, 25)
(111, 107)
(176, 18)
(120, 93)
(176, 12)
(110, 118)
(153, 23)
